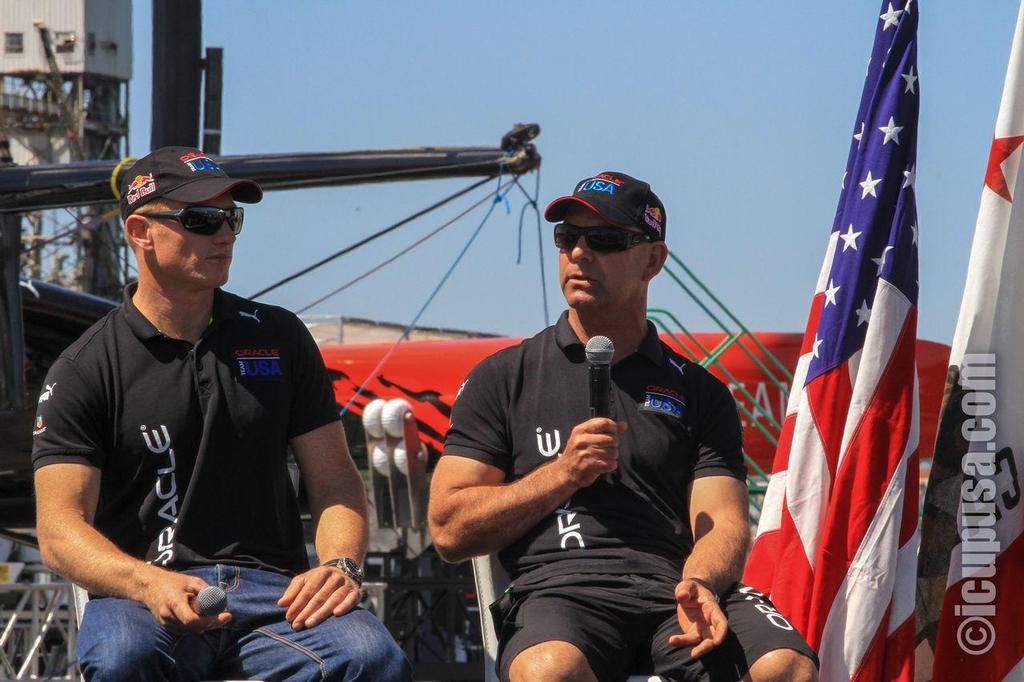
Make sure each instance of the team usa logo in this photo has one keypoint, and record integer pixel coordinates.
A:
(199, 161)
(654, 217)
(142, 185)
(602, 183)
(661, 400)
(258, 362)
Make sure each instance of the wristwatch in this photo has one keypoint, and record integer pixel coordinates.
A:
(706, 585)
(349, 567)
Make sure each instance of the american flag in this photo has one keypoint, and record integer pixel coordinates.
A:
(837, 541)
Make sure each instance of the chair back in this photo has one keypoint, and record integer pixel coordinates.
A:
(80, 598)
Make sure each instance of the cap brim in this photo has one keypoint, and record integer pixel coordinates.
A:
(204, 189)
(556, 210)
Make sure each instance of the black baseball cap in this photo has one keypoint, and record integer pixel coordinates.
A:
(183, 174)
(620, 199)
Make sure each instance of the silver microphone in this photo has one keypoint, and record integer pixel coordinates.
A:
(210, 601)
(600, 350)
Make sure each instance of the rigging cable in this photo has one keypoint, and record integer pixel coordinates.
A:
(532, 201)
(498, 198)
(401, 253)
(367, 240)
(79, 225)
(102, 237)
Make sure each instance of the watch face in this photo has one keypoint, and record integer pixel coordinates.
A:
(353, 569)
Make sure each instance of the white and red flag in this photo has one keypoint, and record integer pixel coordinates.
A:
(972, 552)
(837, 542)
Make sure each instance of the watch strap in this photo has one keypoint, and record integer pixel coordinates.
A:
(706, 585)
(349, 567)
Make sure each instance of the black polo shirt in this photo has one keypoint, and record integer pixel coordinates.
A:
(517, 409)
(191, 441)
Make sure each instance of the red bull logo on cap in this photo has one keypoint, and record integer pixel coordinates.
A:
(198, 161)
(654, 218)
(142, 185)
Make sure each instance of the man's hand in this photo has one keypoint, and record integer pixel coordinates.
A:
(168, 595)
(315, 595)
(700, 617)
(592, 450)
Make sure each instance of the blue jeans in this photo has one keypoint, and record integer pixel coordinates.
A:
(121, 640)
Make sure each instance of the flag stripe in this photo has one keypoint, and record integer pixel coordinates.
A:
(887, 324)
(868, 583)
(808, 480)
(869, 469)
(906, 569)
(771, 509)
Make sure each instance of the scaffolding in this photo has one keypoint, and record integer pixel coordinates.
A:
(64, 73)
(38, 632)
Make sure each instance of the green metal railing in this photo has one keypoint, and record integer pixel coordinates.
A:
(736, 335)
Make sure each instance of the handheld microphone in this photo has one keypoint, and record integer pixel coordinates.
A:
(210, 601)
(600, 350)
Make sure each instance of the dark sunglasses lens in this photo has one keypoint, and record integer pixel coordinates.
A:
(202, 220)
(606, 239)
(600, 239)
(207, 220)
(566, 236)
(234, 217)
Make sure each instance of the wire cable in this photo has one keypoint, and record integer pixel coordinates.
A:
(79, 225)
(498, 198)
(401, 253)
(372, 237)
(531, 201)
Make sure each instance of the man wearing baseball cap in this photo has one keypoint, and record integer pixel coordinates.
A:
(160, 454)
(624, 537)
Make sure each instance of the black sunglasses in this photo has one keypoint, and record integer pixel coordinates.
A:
(204, 220)
(603, 239)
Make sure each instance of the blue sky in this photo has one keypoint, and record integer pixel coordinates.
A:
(739, 114)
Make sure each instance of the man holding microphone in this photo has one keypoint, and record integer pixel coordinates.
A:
(625, 536)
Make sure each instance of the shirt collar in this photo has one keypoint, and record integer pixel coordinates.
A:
(224, 309)
(565, 337)
(137, 322)
(567, 340)
(650, 347)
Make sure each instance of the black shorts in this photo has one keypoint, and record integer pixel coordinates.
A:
(621, 623)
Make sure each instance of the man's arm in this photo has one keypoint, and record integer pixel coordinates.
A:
(721, 533)
(66, 499)
(337, 501)
(473, 512)
(719, 510)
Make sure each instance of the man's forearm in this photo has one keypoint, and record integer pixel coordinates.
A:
(481, 519)
(340, 514)
(80, 553)
(718, 557)
(341, 532)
